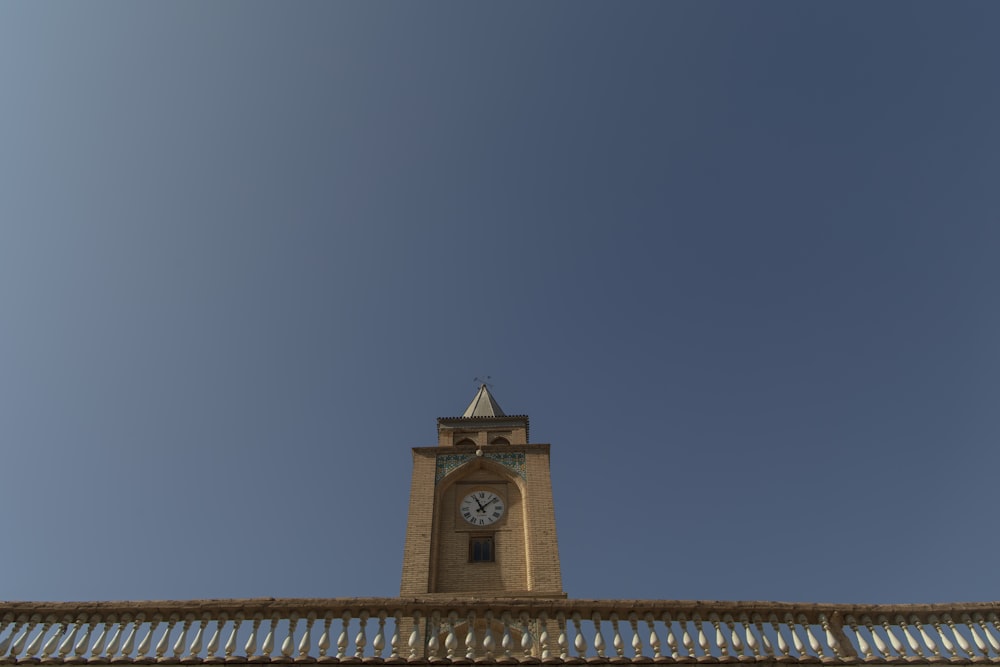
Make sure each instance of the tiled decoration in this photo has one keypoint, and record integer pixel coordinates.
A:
(513, 461)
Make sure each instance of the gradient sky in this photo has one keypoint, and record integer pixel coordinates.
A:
(738, 262)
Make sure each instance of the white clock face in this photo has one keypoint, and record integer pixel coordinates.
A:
(481, 508)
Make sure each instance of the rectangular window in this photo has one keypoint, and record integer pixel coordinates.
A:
(481, 549)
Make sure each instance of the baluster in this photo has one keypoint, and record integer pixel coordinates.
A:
(926, 638)
(633, 621)
(765, 642)
(489, 644)
(361, 639)
(450, 639)
(734, 637)
(181, 642)
(654, 639)
(267, 648)
(116, 637)
(470, 636)
(146, 644)
(563, 639)
(22, 640)
(251, 646)
(879, 644)
(378, 644)
(543, 635)
(911, 642)
(80, 650)
(942, 637)
(897, 645)
(831, 639)
(5, 642)
(866, 649)
(14, 627)
(720, 640)
(53, 643)
(706, 648)
(959, 637)
(212, 650)
(288, 644)
(506, 642)
(814, 642)
(199, 637)
(67, 645)
(975, 635)
(579, 643)
(345, 620)
(414, 641)
(129, 644)
(230, 647)
(395, 647)
(978, 618)
(305, 644)
(526, 637)
(616, 638)
(992, 619)
(164, 643)
(97, 649)
(751, 641)
(782, 644)
(668, 623)
(686, 640)
(800, 648)
(433, 642)
(324, 639)
(598, 635)
(36, 644)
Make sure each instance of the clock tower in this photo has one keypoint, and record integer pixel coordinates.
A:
(481, 519)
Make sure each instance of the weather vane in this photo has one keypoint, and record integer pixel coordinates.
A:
(483, 380)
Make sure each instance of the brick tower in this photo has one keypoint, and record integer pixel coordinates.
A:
(481, 519)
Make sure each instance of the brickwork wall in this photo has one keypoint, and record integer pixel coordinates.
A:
(544, 573)
(419, 526)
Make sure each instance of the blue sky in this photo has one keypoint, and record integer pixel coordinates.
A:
(736, 261)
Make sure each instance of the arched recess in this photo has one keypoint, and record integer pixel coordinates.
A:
(500, 440)
(451, 571)
(466, 442)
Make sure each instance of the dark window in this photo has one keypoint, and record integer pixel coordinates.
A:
(481, 549)
(500, 441)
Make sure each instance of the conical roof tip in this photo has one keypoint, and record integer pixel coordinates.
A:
(484, 405)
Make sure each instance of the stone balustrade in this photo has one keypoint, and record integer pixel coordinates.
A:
(494, 630)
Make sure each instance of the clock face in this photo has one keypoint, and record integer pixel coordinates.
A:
(481, 508)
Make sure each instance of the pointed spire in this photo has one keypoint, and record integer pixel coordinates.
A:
(484, 405)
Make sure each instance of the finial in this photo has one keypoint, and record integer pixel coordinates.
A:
(483, 381)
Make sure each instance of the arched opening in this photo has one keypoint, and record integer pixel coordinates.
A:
(466, 442)
(457, 566)
(500, 440)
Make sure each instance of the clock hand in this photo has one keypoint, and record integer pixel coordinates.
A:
(490, 501)
(481, 507)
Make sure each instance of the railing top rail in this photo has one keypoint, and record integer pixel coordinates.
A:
(284, 606)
